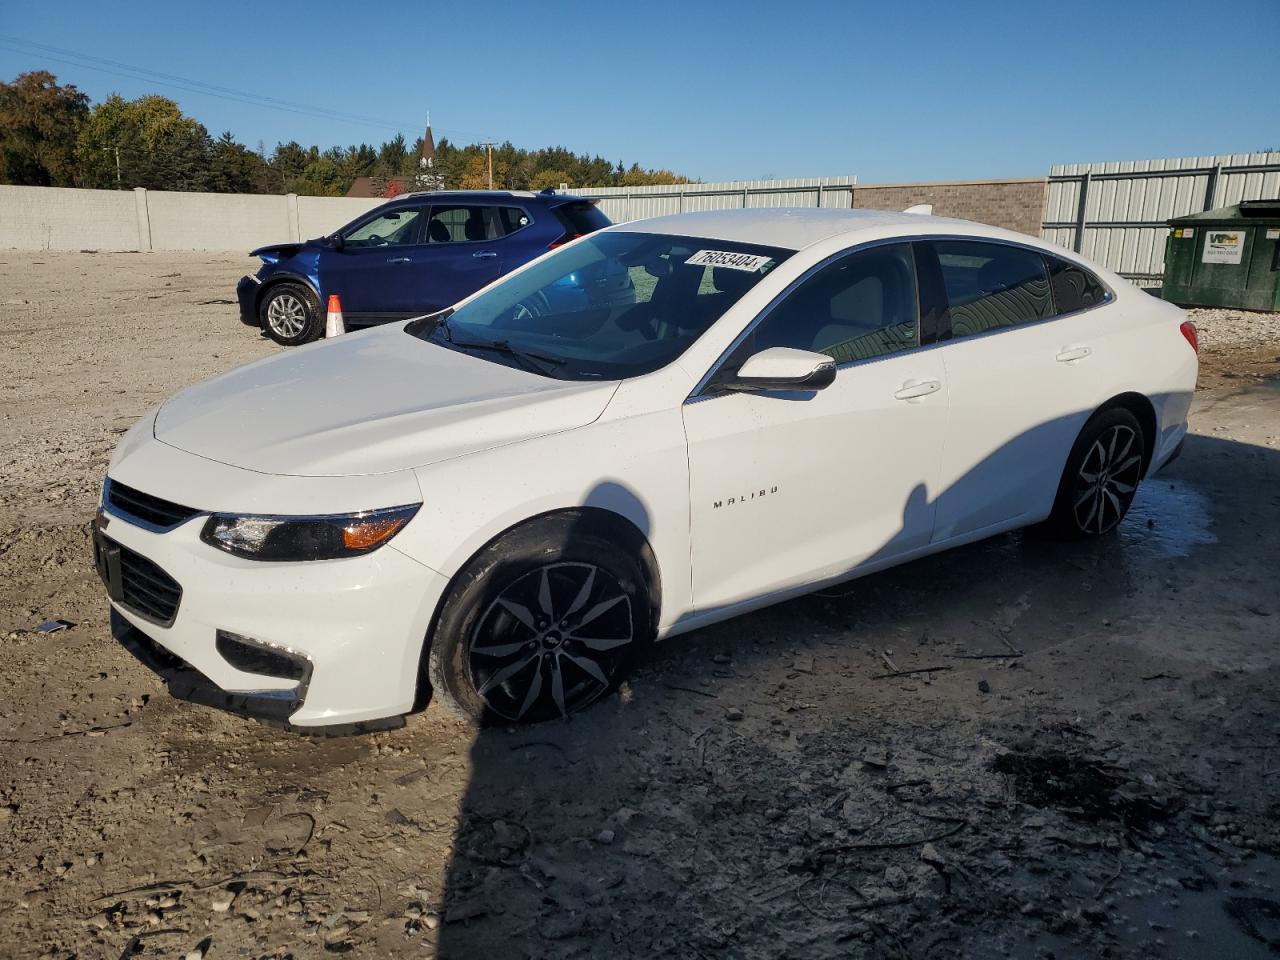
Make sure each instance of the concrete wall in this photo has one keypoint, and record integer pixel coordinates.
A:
(211, 221)
(319, 216)
(52, 218)
(1013, 204)
(55, 218)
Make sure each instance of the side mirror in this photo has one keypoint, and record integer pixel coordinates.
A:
(784, 368)
(339, 244)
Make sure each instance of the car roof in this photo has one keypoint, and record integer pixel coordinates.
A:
(794, 228)
(488, 196)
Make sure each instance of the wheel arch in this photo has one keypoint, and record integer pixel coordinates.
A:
(1142, 408)
(598, 520)
(276, 279)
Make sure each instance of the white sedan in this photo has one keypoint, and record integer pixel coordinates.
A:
(658, 426)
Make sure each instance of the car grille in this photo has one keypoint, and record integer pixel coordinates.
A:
(154, 512)
(147, 590)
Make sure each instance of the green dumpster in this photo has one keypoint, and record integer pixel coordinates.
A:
(1229, 257)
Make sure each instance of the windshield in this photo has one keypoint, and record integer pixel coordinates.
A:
(615, 305)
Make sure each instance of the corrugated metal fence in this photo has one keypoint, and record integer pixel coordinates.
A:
(636, 203)
(1115, 212)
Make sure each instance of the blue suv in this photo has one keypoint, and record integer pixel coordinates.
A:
(417, 254)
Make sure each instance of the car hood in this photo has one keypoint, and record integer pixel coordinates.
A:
(370, 402)
(275, 252)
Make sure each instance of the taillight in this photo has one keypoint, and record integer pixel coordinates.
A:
(565, 239)
(1193, 337)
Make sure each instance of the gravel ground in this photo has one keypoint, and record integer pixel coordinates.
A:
(1236, 328)
(1087, 768)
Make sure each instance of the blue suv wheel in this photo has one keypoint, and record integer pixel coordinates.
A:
(290, 314)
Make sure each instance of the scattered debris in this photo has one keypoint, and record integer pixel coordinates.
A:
(908, 673)
(1084, 788)
(701, 693)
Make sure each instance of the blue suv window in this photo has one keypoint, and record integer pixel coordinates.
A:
(390, 229)
(457, 224)
(513, 219)
(471, 222)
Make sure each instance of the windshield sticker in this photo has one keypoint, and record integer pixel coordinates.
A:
(723, 258)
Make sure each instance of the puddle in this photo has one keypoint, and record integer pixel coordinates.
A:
(1237, 916)
(1168, 518)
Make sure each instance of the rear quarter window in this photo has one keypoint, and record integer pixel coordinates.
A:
(1074, 287)
(512, 219)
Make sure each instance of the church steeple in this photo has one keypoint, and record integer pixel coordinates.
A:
(428, 159)
(428, 177)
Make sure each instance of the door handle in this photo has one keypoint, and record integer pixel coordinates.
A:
(485, 255)
(917, 388)
(1073, 353)
(398, 260)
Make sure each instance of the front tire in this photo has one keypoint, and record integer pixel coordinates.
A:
(290, 314)
(1101, 476)
(542, 624)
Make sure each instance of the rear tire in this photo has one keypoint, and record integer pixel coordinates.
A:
(290, 314)
(1101, 476)
(542, 624)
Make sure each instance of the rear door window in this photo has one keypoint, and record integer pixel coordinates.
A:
(1074, 287)
(992, 285)
(462, 223)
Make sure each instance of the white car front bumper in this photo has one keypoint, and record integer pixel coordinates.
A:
(350, 632)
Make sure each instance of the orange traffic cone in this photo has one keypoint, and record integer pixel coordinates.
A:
(334, 325)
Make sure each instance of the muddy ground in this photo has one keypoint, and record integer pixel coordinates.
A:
(1089, 768)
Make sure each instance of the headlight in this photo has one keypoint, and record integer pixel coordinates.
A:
(305, 538)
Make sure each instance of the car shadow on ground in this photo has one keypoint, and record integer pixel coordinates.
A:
(820, 778)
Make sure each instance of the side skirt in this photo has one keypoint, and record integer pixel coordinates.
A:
(696, 618)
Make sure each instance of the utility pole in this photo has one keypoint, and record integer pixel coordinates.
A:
(117, 152)
(488, 146)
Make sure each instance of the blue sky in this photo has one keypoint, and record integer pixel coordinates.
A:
(890, 90)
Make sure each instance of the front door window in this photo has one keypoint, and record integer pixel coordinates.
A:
(394, 228)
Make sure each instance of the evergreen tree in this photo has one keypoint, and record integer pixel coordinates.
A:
(233, 168)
